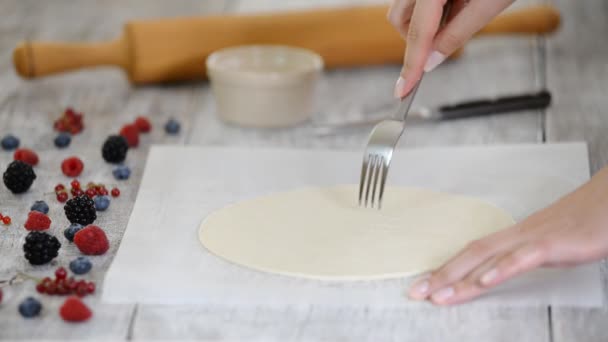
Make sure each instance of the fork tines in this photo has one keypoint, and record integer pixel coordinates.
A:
(374, 166)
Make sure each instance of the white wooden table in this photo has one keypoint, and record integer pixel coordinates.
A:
(573, 64)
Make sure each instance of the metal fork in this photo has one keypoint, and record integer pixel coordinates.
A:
(382, 142)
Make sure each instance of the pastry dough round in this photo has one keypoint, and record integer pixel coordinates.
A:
(322, 233)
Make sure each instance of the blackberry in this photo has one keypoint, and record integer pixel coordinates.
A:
(40, 248)
(80, 210)
(115, 149)
(18, 177)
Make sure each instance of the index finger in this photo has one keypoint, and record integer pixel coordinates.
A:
(423, 28)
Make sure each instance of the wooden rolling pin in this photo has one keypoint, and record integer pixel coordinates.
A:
(168, 50)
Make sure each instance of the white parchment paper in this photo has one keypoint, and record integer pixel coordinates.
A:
(161, 261)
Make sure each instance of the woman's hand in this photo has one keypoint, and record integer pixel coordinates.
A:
(573, 230)
(427, 46)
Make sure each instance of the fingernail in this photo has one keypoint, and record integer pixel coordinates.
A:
(400, 87)
(443, 294)
(419, 289)
(488, 277)
(435, 58)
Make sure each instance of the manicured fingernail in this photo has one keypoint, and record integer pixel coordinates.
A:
(443, 294)
(435, 58)
(420, 289)
(400, 88)
(488, 277)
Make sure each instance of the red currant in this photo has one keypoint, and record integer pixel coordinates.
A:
(91, 193)
(41, 288)
(115, 192)
(102, 191)
(81, 290)
(91, 287)
(61, 273)
(6, 220)
(91, 185)
(59, 187)
(72, 284)
(62, 197)
(51, 288)
(1, 216)
(75, 184)
(76, 192)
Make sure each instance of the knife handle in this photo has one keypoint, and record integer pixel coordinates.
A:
(505, 104)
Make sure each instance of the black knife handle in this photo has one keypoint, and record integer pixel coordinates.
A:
(505, 104)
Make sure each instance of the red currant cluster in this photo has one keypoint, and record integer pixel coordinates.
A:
(62, 285)
(6, 220)
(70, 122)
(91, 190)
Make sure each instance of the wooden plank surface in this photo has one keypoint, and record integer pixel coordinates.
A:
(577, 73)
(490, 67)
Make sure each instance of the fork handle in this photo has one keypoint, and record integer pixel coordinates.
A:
(540, 100)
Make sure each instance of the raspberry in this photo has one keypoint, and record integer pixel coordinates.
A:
(131, 133)
(91, 240)
(37, 221)
(74, 310)
(143, 124)
(26, 155)
(72, 167)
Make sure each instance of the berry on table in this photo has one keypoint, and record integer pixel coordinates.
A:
(40, 206)
(59, 187)
(121, 172)
(62, 197)
(70, 122)
(26, 155)
(131, 134)
(74, 310)
(18, 177)
(143, 124)
(30, 307)
(80, 209)
(40, 248)
(172, 127)
(6, 220)
(102, 191)
(75, 184)
(102, 203)
(63, 140)
(61, 273)
(115, 192)
(115, 149)
(9, 142)
(70, 231)
(37, 221)
(91, 193)
(92, 240)
(77, 192)
(80, 265)
(72, 167)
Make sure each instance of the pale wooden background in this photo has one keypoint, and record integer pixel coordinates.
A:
(573, 65)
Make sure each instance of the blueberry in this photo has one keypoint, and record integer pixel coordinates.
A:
(102, 203)
(122, 173)
(70, 231)
(30, 307)
(80, 265)
(172, 126)
(10, 142)
(40, 206)
(63, 140)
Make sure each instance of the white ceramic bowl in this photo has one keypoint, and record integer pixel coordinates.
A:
(264, 85)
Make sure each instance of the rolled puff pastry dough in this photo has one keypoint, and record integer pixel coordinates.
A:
(322, 233)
